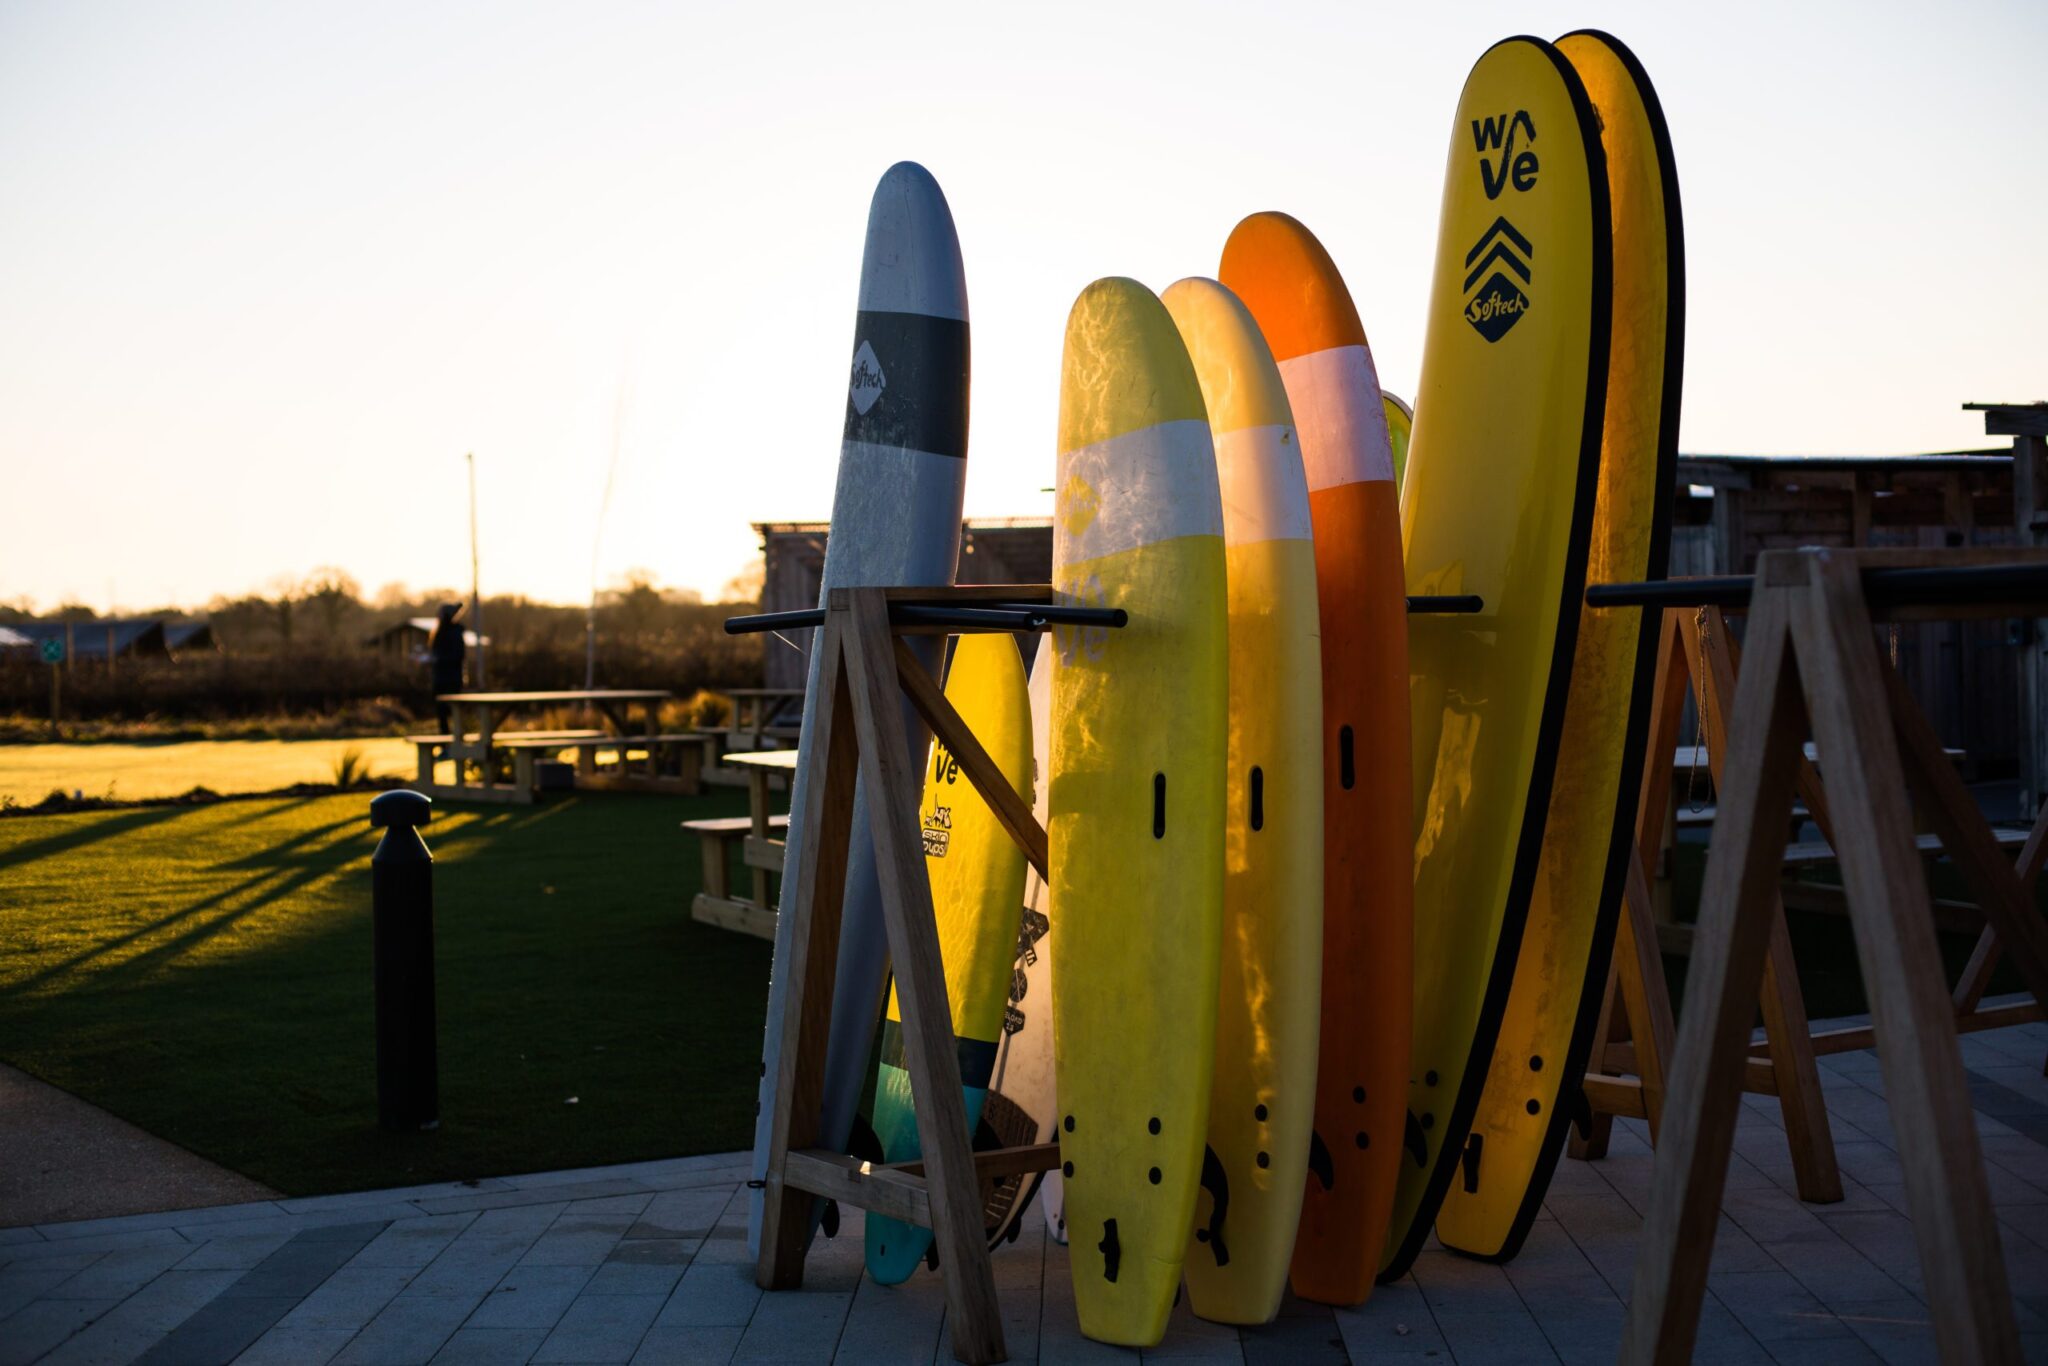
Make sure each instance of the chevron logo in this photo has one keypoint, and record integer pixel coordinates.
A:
(1499, 303)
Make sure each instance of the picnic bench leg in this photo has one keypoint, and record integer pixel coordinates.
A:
(757, 812)
(425, 764)
(717, 877)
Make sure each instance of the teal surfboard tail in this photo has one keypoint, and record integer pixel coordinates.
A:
(895, 1249)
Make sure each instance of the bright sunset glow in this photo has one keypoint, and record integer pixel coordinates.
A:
(268, 271)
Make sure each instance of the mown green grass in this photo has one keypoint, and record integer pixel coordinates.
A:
(147, 772)
(205, 973)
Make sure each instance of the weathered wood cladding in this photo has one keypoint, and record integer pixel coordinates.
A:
(1728, 510)
(992, 550)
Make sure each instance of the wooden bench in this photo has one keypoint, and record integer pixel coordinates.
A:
(716, 904)
(673, 763)
(429, 748)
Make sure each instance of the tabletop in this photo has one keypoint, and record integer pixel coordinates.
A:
(763, 758)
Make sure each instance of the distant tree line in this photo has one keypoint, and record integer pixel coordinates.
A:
(308, 647)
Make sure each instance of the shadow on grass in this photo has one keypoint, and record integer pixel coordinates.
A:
(583, 1017)
(289, 866)
(87, 831)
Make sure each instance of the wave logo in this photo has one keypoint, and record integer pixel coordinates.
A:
(1497, 304)
(868, 380)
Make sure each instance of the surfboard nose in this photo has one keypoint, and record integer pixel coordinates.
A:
(1286, 278)
(1124, 367)
(913, 253)
(1240, 384)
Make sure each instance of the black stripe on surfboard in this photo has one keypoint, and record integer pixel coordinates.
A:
(1615, 880)
(977, 1057)
(907, 382)
(1450, 1138)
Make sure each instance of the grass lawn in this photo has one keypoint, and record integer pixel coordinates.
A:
(142, 772)
(205, 973)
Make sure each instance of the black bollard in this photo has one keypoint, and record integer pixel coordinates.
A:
(402, 914)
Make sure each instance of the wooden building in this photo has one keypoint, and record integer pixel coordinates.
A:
(992, 550)
(1971, 677)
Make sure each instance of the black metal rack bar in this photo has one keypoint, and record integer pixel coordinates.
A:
(1001, 616)
(1888, 587)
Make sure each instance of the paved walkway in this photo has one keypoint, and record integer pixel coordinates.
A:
(67, 1159)
(647, 1263)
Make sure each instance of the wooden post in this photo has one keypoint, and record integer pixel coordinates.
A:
(2027, 425)
(1812, 659)
(1695, 646)
(1795, 1075)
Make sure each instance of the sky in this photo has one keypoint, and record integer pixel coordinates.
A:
(269, 272)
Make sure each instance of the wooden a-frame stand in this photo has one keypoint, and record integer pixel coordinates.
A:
(858, 730)
(1632, 1042)
(1814, 663)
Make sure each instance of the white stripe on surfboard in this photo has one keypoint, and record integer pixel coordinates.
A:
(1264, 495)
(1144, 487)
(1335, 395)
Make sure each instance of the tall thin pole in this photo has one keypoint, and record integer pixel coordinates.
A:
(476, 598)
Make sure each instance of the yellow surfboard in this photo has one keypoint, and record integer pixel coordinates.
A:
(1551, 1012)
(1137, 758)
(1497, 501)
(977, 877)
(1400, 426)
(1262, 1098)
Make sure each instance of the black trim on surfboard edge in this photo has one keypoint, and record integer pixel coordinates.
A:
(1623, 840)
(1529, 845)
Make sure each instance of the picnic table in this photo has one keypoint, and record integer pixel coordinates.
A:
(477, 735)
(760, 715)
(760, 851)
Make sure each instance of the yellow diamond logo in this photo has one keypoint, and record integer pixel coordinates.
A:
(1077, 505)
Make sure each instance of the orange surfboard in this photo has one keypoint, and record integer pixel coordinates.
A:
(1293, 289)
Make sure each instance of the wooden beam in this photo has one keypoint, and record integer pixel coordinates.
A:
(994, 1163)
(1704, 1099)
(863, 1185)
(1011, 811)
(873, 667)
(814, 909)
(1925, 1085)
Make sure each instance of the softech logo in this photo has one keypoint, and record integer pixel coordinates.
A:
(1499, 303)
(868, 380)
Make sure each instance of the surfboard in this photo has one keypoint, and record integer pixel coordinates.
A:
(895, 521)
(1021, 1099)
(977, 878)
(1546, 1032)
(1268, 1011)
(1294, 290)
(1137, 754)
(1400, 424)
(1498, 502)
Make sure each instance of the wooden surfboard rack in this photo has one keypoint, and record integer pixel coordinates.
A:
(1815, 667)
(858, 733)
(1631, 1054)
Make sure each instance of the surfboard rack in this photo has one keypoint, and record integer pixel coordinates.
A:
(1444, 604)
(927, 617)
(1815, 667)
(863, 670)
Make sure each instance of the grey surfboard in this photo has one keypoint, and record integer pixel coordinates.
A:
(895, 521)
